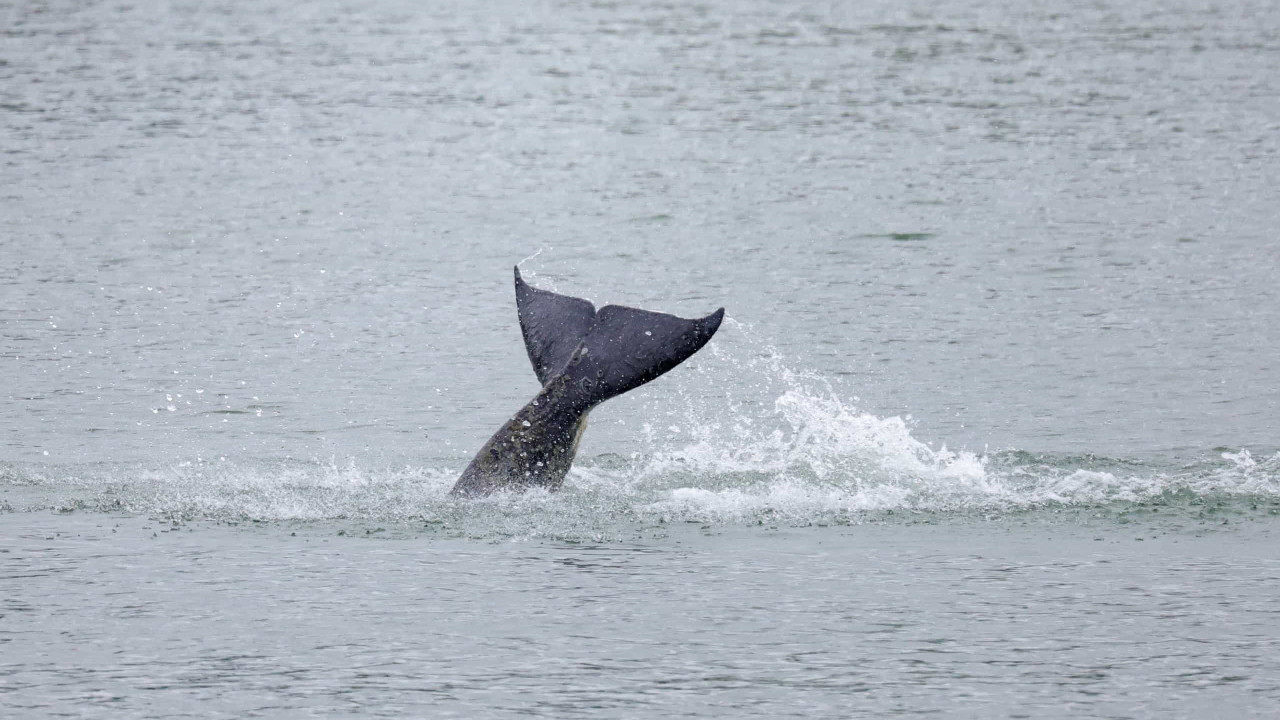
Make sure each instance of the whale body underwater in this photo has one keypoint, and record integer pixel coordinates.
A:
(582, 357)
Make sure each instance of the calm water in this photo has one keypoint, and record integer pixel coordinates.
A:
(992, 430)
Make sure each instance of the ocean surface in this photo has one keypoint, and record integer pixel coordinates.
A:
(991, 429)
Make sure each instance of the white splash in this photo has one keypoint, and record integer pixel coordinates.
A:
(761, 444)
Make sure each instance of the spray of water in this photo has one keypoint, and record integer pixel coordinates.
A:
(739, 437)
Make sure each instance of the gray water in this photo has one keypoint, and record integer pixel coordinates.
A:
(990, 430)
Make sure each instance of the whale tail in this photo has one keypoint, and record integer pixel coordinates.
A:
(604, 353)
(582, 357)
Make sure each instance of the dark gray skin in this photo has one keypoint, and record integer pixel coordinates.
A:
(583, 357)
(533, 449)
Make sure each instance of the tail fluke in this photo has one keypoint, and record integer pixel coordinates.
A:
(605, 352)
(627, 348)
(553, 326)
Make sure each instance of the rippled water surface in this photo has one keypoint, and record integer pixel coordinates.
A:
(115, 617)
(990, 430)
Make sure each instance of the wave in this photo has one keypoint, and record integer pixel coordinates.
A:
(825, 463)
(789, 450)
